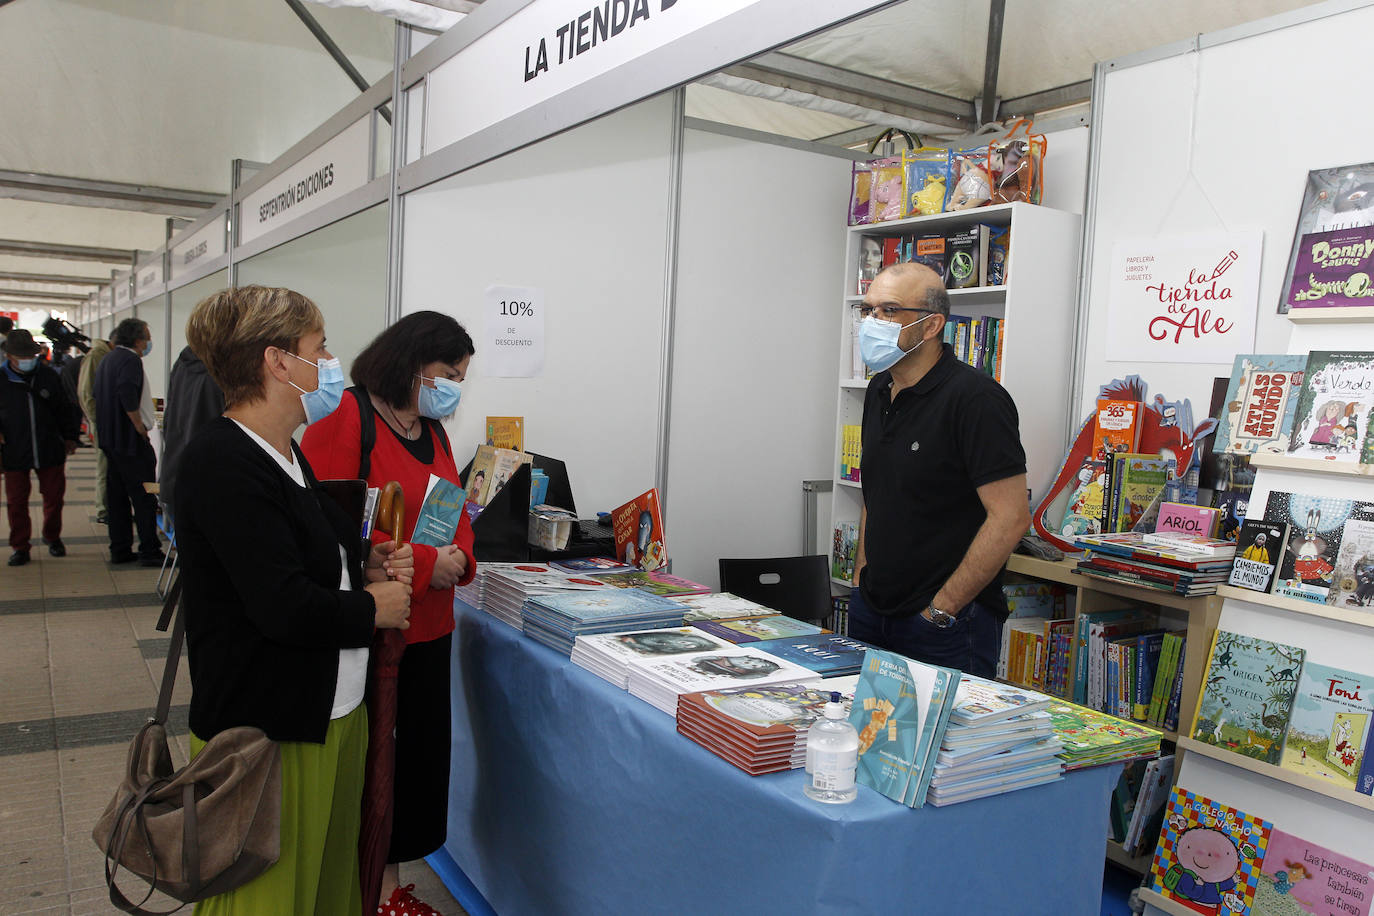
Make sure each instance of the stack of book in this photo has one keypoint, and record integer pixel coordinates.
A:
(608, 655)
(758, 729)
(1092, 738)
(827, 654)
(757, 629)
(1183, 565)
(721, 606)
(556, 620)
(659, 682)
(998, 740)
(654, 580)
(507, 587)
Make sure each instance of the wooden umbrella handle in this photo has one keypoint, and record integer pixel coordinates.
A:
(391, 512)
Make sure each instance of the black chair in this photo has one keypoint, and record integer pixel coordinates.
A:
(796, 586)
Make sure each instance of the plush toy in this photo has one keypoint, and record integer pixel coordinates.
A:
(973, 189)
(931, 198)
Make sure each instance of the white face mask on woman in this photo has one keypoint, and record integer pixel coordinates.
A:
(328, 392)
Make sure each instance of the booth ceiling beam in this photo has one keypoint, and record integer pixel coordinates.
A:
(333, 50)
(53, 278)
(37, 294)
(1046, 100)
(987, 111)
(67, 252)
(109, 195)
(790, 72)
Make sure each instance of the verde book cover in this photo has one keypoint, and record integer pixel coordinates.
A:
(1300, 878)
(1332, 417)
(1260, 401)
(1329, 724)
(1248, 695)
(1209, 855)
(900, 708)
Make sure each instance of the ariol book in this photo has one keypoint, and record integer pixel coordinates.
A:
(1352, 581)
(901, 707)
(1258, 551)
(440, 513)
(506, 432)
(1332, 418)
(638, 530)
(1248, 695)
(1329, 726)
(1260, 400)
(1317, 524)
(1209, 855)
(1185, 519)
(1333, 269)
(1298, 878)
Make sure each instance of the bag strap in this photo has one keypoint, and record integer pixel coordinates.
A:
(367, 424)
(171, 607)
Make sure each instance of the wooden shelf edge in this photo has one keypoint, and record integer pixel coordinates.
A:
(1278, 774)
(1167, 904)
(1138, 864)
(1298, 606)
(853, 484)
(1062, 571)
(1310, 465)
(1351, 314)
(992, 213)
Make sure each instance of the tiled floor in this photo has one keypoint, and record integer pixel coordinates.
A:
(81, 664)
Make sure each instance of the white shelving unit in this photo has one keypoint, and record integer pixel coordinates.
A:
(1037, 305)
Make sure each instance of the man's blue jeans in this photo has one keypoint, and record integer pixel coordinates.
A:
(971, 645)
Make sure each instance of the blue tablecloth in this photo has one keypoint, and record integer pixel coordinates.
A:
(570, 796)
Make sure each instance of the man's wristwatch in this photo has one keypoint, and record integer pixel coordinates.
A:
(940, 618)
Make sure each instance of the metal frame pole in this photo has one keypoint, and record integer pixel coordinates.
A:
(665, 374)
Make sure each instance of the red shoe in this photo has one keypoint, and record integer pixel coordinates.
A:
(404, 903)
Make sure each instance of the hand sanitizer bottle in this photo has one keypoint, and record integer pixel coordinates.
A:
(832, 755)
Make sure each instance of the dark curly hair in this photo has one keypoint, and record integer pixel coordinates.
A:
(387, 366)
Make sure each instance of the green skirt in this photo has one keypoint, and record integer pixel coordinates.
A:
(321, 804)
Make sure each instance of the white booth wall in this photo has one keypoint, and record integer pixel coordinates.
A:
(154, 311)
(184, 299)
(342, 268)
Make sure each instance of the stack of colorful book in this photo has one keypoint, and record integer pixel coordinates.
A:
(608, 655)
(475, 592)
(659, 682)
(758, 729)
(758, 629)
(1092, 738)
(721, 606)
(1183, 565)
(507, 588)
(998, 740)
(556, 620)
(827, 654)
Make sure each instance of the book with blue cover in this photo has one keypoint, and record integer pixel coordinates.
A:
(440, 513)
(827, 654)
(901, 707)
(979, 701)
(608, 603)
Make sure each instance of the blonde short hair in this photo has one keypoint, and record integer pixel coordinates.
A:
(231, 329)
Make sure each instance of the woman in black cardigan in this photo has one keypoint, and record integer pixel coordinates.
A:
(278, 617)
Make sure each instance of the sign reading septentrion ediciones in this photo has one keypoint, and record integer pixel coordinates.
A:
(553, 46)
(202, 246)
(331, 171)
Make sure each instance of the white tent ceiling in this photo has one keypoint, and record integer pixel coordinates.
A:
(167, 92)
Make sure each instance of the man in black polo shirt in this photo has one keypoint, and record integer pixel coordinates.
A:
(944, 484)
(122, 417)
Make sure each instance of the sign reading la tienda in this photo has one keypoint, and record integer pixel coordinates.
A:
(1185, 299)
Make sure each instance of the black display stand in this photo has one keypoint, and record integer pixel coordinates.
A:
(501, 532)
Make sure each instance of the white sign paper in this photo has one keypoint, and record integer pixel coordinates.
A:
(514, 340)
(1187, 299)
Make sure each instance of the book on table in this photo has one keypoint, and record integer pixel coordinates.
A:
(638, 530)
(655, 580)
(608, 655)
(556, 620)
(1093, 738)
(506, 588)
(756, 629)
(722, 606)
(827, 654)
(660, 682)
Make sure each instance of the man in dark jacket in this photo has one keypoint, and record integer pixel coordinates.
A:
(193, 399)
(38, 430)
(123, 418)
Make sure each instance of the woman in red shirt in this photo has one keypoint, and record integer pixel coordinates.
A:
(408, 377)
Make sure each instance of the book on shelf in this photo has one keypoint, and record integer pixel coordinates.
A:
(901, 707)
(966, 263)
(1332, 269)
(1261, 398)
(1331, 420)
(851, 451)
(1209, 855)
(929, 249)
(638, 530)
(1124, 798)
(506, 432)
(1247, 695)
(1317, 526)
(756, 629)
(1301, 878)
(843, 550)
(1147, 815)
(827, 654)
(1259, 548)
(1041, 600)
(1186, 520)
(1328, 728)
(1333, 198)
(1352, 580)
(1136, 482)
(1116, 429)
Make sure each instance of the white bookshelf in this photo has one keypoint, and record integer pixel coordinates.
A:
(1037, 305)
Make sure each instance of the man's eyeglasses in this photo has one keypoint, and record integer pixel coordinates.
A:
(887, 312)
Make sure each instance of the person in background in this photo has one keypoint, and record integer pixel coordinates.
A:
(71, 380)
(85, 398)
(122, 420)
(944, 484)
(193, 400)
(38, 430)
(280, 599)
(409, 377)
(6, 325)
